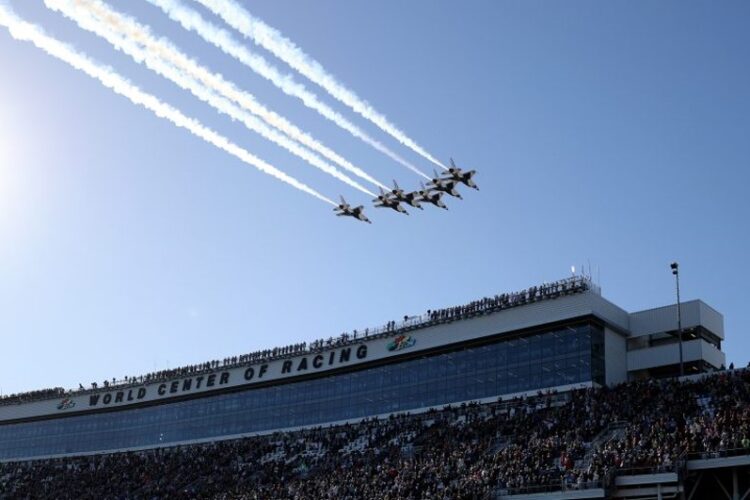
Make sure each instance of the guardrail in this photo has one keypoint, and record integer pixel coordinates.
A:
(703, 455)
(647, 469)
(554, 487)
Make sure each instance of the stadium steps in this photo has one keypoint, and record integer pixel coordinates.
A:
(614, 430)
(357, 445)
(277, 454)
(403, 438)
(499, 444)
(705, 403)
(408, 451)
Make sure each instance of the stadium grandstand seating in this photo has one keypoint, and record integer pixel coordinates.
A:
(589, 443)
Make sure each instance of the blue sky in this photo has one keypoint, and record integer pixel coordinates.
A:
(614, 133)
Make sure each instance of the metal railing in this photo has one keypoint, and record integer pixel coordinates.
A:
(708, 454)
(647, 469)
(552, 487)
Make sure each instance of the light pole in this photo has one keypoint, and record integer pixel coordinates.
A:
(676, 271)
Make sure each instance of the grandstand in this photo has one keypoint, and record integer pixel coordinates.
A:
(550, 392)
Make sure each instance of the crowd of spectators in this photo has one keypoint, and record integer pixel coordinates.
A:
(26, 397)
(551, 441)
(506, 300)
(567, 286)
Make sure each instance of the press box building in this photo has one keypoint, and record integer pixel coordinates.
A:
(556, 336)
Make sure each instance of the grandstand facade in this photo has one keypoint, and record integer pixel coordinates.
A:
(554, 337)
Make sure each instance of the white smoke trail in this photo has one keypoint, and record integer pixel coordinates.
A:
(191, 20)
(24, 31)
(275, 42)
(125, 34)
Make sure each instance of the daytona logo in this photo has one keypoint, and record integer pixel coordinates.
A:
(401, 342)
(65, 404)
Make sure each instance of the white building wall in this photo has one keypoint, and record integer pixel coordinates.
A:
(712, 319)
(615, 357)
(664, 319)
(669, 354)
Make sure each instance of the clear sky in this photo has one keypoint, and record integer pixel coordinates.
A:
(615, 133)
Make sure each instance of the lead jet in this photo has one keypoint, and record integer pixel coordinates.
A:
(408, 198)
(461, 176)
(384, 200)
(344, 209)
(447, 186)
(430, 196)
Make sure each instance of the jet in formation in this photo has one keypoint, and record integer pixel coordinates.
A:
(432, 193)
(459, 175)
(433, 197)
(385, 200)
(445, 185)
(412, 199)
(344, 209)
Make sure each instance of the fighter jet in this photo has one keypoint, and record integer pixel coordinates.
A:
(408, 198)
(445, 185)
(384, 200)
(344, 209)
(430, 196)
(459, 175)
